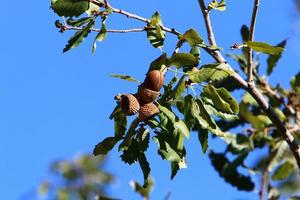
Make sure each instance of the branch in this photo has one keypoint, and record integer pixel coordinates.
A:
(250, 87)
(139, 18)
(109, 30)
(264, 183)
(251, 37)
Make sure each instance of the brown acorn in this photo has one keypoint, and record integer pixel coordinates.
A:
(129, 103)
(148, 110)
(146, 95)
(154, 80)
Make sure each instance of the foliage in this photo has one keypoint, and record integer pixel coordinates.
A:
(211, 110)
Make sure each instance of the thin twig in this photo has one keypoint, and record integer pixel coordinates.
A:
(264, 183)
(109, 30)
(251, 37)
(134, 16)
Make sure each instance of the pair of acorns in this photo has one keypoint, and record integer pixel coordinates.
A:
(143, 101)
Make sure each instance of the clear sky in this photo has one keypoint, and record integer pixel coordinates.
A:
(56, 106)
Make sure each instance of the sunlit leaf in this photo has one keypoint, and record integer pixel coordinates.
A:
(221, 99)
(273, 59)
(264, 48)
(158, 63)
(181, 60)
(192, 37)
(283, 171)
(211, 72)
(125, 77)
(221, 6)
(100, 37)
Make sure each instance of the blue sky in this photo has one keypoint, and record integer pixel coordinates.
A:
(56, 106)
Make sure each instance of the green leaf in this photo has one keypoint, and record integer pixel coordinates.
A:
(131, 153)
(192, 37)
(155, 34)
(181, 60)
(143, 138)
(273, 59)
(283, 171)
(211, 72)
(179, 89)
(129, 135)
(158, 63)
(221, 99)
(213, 111)
(144, 164)
(100, 37)
(79, 36)
(125, 77)
(203, 138)
(182, 129)
(166, 151)
(220, 163)
(295, 83)
(168, 113)
(245, 33)
(120, 122)
(69, 8)
(221, 6)
(105, 146)
(79, 22)
(264, 48)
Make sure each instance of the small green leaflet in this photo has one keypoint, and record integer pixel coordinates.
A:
(221, 99)
(70, 8)
(78, 22)
(79, 36)
(105, 146)
(221, 6)
(273, 59)
(129, 135)
(155, 34)
(100, 37)
(158, 63)
(125, 77)
(182, 60)
(192, 37)
(211, 72)
(179, 88)
(283, 171)
(264, 48)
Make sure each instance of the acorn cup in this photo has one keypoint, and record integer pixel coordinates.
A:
(146, 95)
(148, 110)
(129, 103)
(154, 80)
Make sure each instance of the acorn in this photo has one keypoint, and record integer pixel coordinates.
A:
(146, 95)
(129, 103)
(154, 80)
(148, 110)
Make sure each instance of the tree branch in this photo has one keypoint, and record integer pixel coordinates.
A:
(264, 183)
(250, 87)
(251, 37)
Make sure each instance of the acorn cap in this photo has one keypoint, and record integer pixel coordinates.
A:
(148, 110)
(129, 103)
(146, 95)
(154, 80)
